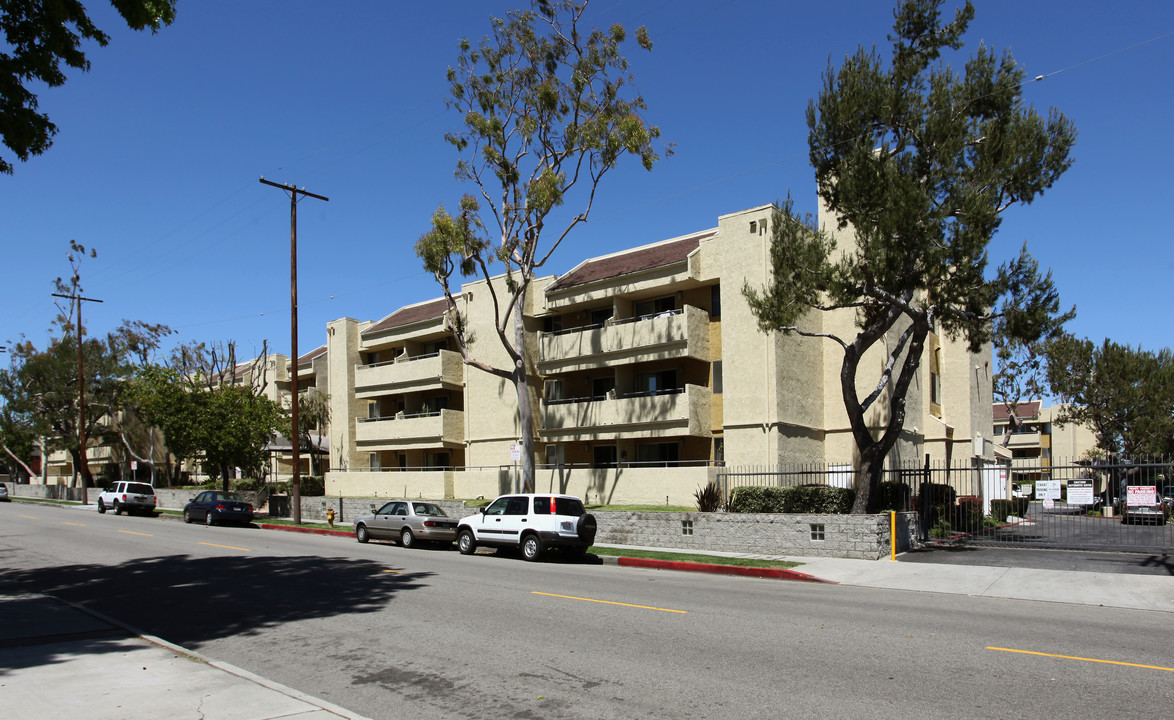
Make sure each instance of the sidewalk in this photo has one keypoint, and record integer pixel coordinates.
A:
(114, 673)
(1135, 592)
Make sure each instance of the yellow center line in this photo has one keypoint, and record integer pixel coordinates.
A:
(132, 532)
(29, 517)
(1083, 659)
(230, 547)
(608, 602)
(74, 524)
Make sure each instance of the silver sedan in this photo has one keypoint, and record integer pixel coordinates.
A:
(409, 521)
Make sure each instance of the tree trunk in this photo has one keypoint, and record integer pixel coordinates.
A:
(522, 387)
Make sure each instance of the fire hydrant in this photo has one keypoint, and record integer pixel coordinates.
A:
(330, 516)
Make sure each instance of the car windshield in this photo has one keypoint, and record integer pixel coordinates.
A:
(428, 509)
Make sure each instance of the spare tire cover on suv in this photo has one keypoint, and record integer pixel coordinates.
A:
(586, 527)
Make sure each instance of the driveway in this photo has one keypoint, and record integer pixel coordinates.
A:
(1078, 560)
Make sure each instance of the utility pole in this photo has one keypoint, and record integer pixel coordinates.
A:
(83, 461)
(295, 441)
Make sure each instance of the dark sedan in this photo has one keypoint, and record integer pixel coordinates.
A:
(216, 506)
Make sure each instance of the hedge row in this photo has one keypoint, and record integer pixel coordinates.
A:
(803, 499)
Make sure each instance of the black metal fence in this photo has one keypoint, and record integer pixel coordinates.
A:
(1115, 504)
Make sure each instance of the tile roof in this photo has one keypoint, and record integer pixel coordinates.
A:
(645, 258)
(1023, 411)
(308, 357)
(431, 310)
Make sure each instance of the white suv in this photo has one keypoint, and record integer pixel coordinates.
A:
(533, 523)
(130, 497)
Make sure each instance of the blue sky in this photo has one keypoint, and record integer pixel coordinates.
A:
(161, 145)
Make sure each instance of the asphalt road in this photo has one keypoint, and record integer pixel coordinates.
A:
(394, 633)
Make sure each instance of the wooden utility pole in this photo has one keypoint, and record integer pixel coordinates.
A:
(83, 461)
(295, 441)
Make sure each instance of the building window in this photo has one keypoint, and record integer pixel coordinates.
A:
(663, 454)
(553, 390)
(601, 386)
(935, 376)
(686, 527)
(719, 451)
(817, 532)
(655, 307)
(373, 460)
(715, 301)
(717, 377)
(603, 456)
(656, 383)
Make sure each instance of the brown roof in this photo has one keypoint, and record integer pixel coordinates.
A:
(431, 310)
(308, 357)
(1023, 411)
(629, 262)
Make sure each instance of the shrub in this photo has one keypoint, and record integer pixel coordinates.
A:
(312, 485)
(967, 514)
(709, 498)
(893, 496)
(756, 500)
(1003, 509)
(818, 499)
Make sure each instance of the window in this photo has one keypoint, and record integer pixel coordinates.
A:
(717, 377)
(600, 387)
(553, 390)
(438, 460)
(655, 307)
(601, 316)
(556, 455)
(552, 324)
(935, 376)
(715, 301)
(719, 451)
(398, 508)
(686, 527)
(498, 506)
(658, 453)
(817, 532)
(603, 456)
(657, 382)
(518, 506)
(373, 460)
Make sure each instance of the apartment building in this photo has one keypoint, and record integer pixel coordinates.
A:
(649, 373)
(1038, 441)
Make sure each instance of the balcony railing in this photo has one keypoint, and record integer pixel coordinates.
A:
(409, 373)
(675, 334)
(671, 412)
(418, 431)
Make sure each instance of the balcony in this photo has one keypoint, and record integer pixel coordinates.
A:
(1024, 440)
(411, 432)
(684, 333)
(421, 372)
(665, 414)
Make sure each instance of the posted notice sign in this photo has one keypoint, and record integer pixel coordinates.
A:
(1136, 495)
(1047, 490)
(1080, 492)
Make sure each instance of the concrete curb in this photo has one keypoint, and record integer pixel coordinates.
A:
(310, 531)
(758, 572)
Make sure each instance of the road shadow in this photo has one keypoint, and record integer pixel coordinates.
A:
(190, 601)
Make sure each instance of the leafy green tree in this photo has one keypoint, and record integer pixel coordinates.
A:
(1124, 395)
(237, 427)
(40, 388)
(916, 162)
(313, 419)
(40, 37)
(548, 111)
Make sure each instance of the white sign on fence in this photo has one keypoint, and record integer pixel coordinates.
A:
(1136, 495)
(1047, 490)
(1080, 492)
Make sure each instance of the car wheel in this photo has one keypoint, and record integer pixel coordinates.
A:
(531, 548)
(117, 509)
(187, 516)
(465, 542)
(101, 506)
(361, 533)
(406, 538)
(208, 519)
(585, 528)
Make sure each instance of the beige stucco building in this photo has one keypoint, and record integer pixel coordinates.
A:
(649, 373)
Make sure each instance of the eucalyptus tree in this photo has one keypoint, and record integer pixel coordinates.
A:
(917, 162)
(548, 110)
